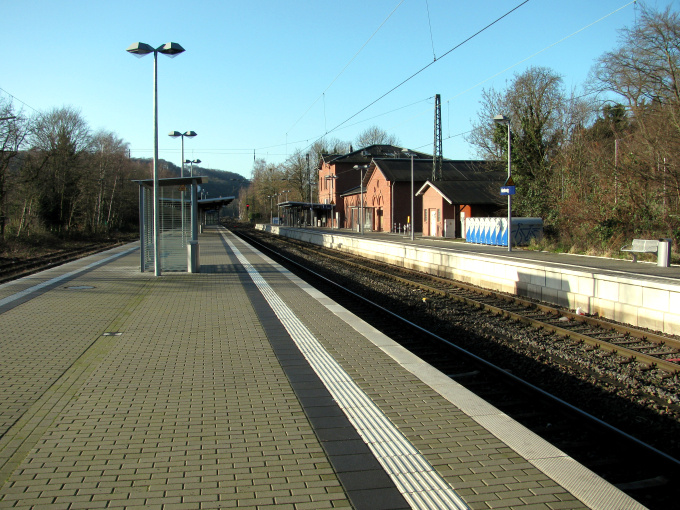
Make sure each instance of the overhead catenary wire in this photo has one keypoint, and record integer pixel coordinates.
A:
(427, 66)
(545, 49)
(17, 99)
(327, 132)
(238, 151)
(429, 21)
(347, 123)
(323, 94)
(448, 102)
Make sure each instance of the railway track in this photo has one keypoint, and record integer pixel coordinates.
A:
(512, 381)
(646, 349)
(14, 268)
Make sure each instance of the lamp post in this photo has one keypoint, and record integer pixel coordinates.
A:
(175, 134)
(361, 196)
(309, 178)
(505, 121)
(190, 134)
(332, 179)
(192, 161)
(271, 214)
(171, 49)
(409, 153)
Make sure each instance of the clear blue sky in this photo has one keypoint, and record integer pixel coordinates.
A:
(273, 75)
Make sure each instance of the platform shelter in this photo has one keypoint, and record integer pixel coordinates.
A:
(300, 214)
(178, 232)
(209, 209)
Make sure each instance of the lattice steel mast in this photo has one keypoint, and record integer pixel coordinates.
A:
(437, 152)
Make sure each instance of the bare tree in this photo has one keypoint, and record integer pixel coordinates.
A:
(537, 106)
(646, 67)
(644, 71)
(60, 138)
(13, 129)
(299, 171)
(107, 174)
(375, 136)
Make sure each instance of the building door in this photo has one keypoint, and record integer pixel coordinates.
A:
(433, 222)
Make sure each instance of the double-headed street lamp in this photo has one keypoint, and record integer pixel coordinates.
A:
(192, 161)
(189, 134)
(505, 121)
(171, 49)
(271, 208)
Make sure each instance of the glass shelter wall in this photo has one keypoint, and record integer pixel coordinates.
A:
(175, 225)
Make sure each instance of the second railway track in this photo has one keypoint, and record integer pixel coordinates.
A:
(14, 268)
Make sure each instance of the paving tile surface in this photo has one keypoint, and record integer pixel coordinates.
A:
(123, 390)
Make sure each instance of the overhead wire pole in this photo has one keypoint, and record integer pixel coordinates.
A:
(437, 156)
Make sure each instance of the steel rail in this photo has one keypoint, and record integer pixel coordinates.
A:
(631, 354)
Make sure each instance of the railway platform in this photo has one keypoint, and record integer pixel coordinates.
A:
(243, 387)
(603, 265)
(641, 294)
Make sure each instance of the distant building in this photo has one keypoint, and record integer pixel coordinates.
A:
(337, 175)
(381, 174)
(447, 203)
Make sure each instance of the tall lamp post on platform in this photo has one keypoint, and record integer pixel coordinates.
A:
(409, 153)
(192, 161)
(171, 49)
(189, 134)
(505, 121)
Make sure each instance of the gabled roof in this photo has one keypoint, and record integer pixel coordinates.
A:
(327, 158)
(365, 155)
(353, 191)
(482, 191)
(399, 170)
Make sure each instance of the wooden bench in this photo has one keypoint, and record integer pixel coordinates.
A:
(642, 246)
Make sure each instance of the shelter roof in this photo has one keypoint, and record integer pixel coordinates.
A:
(172, 181)
(305, 205)
(353, 191)
(484, 191)
(211, 203)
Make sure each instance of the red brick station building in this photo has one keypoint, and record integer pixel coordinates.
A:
(374, 183)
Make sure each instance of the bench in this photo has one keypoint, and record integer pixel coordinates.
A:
(642, 246)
